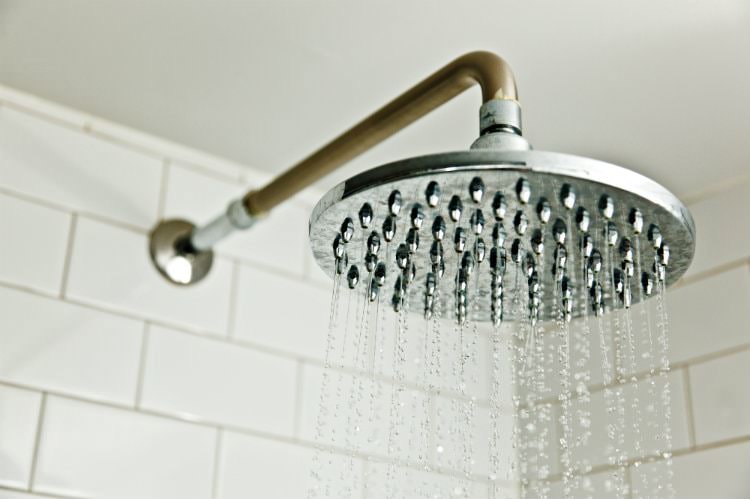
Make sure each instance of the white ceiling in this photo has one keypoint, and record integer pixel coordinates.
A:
(661, 87)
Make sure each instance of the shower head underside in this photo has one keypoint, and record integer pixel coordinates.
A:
(580, 235)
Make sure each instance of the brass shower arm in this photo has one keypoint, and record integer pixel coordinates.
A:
(183, 252)
(485, 69)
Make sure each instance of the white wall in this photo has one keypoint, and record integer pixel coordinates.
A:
(114, 384)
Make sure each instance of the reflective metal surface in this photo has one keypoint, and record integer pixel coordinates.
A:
(173, 255)
(532, 187)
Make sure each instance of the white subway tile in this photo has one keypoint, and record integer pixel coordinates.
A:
(257, 467)
(282, 313)
(709, 315)
(651, 411)
(19, 413)
(718, 242)
(74, 169)
(207, 379)
(720, 473)
(111, 268)
(278, 240)
(58, 346)
(96, 451)
(34, 242)
(721, 398)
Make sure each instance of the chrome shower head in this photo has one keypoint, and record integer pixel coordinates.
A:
(579, 235)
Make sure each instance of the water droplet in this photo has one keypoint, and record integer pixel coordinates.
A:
(338, 247)
(352, 276)
(379, 274)
(612, 234)
(479, 250)
(438, 228)
(568, 196)
(654, 236)
(394, 202)
(416, 216)
(436, 252)
(373, 243)
(365, 215)
(523, 190)
(664, 254)
(537, 242)
(402, 256)
(520, 223)
(455, 207)
(606, 206)
(543, 210)
(389, 228)
(636, 220)
(459, 240)
(477, 222)
(412, 239)
(559, 231)
(432, 194)
(476, 189)
(499, 206)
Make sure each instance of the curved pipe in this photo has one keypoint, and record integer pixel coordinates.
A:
(486, 69)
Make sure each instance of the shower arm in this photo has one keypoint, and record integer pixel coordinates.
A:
(488, 70)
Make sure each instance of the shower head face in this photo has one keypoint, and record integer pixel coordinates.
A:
(569, 235)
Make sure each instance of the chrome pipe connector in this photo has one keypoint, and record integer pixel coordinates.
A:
(182, 252)
(236, 217)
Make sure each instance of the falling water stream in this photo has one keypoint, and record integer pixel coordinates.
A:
(515, 358)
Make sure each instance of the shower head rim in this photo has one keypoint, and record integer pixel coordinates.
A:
(603, 173)
(547, 172)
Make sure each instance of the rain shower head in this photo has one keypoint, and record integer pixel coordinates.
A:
(490, 216)
(497, 216)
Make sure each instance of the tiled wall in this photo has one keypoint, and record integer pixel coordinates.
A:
(114, 384)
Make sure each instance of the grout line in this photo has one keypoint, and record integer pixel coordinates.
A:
(365, 470)
(37, 441)
(36, 493)
(77, 125)
(688, 393)
(645, 460)
(298, 392)
(234, 280)
(217, 463)
(73, 209)
(270, 269)
(145, 337)
(163, 188)
(675, 366)
(68, 254)
(629, 478)
(5, 191)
